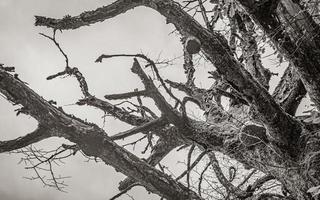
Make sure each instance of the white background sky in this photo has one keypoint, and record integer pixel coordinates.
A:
(138, 31)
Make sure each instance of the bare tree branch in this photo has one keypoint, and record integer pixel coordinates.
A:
(126, 95)
(124, 191)
(42, 132)
(216, 49)
(157, 123)
(260, 181)
(150, 63)
(290, 91)
(160, 101)
(221, 177)
(190, 167)
(89, 99)
(159, 151)
(202, 176)
(92, 140)
(114, 111)
(204, 15)
(297, 42)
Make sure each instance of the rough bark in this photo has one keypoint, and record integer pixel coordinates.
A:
(290, 91)
(295, 33)
(216, 49)
(289, 151)
(92, 140)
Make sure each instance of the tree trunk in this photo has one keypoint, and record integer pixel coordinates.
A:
(296, 34)
(289, 148)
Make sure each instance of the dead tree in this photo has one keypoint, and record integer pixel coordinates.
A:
(259, 129)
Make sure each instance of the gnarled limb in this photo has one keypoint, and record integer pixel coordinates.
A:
(250, 53)
(283, 130)
(92, 140)
(290, 91)
(41, 133)
(113, 110)
(90, 99)
(215, 48)
(295, 33)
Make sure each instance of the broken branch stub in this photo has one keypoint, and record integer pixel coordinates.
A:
(192, 45)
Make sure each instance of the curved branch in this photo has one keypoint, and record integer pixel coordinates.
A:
(222, 179)
(37, 135)
(283, 129)
(89, 17)
(260, 181)
(92, 140)
(90, 99)
(190, 167)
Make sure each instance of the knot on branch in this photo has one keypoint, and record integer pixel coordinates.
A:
(253, 134)
(192, 45)
(85, 100)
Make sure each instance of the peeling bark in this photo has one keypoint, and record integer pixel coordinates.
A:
(290, 91)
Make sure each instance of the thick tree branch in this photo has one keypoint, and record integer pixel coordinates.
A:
(296, 34)
(250, 51)
(194, 91)
(90, 17)
(150, 63)
(245, 180)
(283, 130)
(42, 132)
(159, 151)
(290, 91)
(157, 123)
(269, 196)
(216, 49)
(35, 106)
(166, 109)
(92, 140)
(114, 111)
(188, 67)
(126, 95)
(260, 181)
